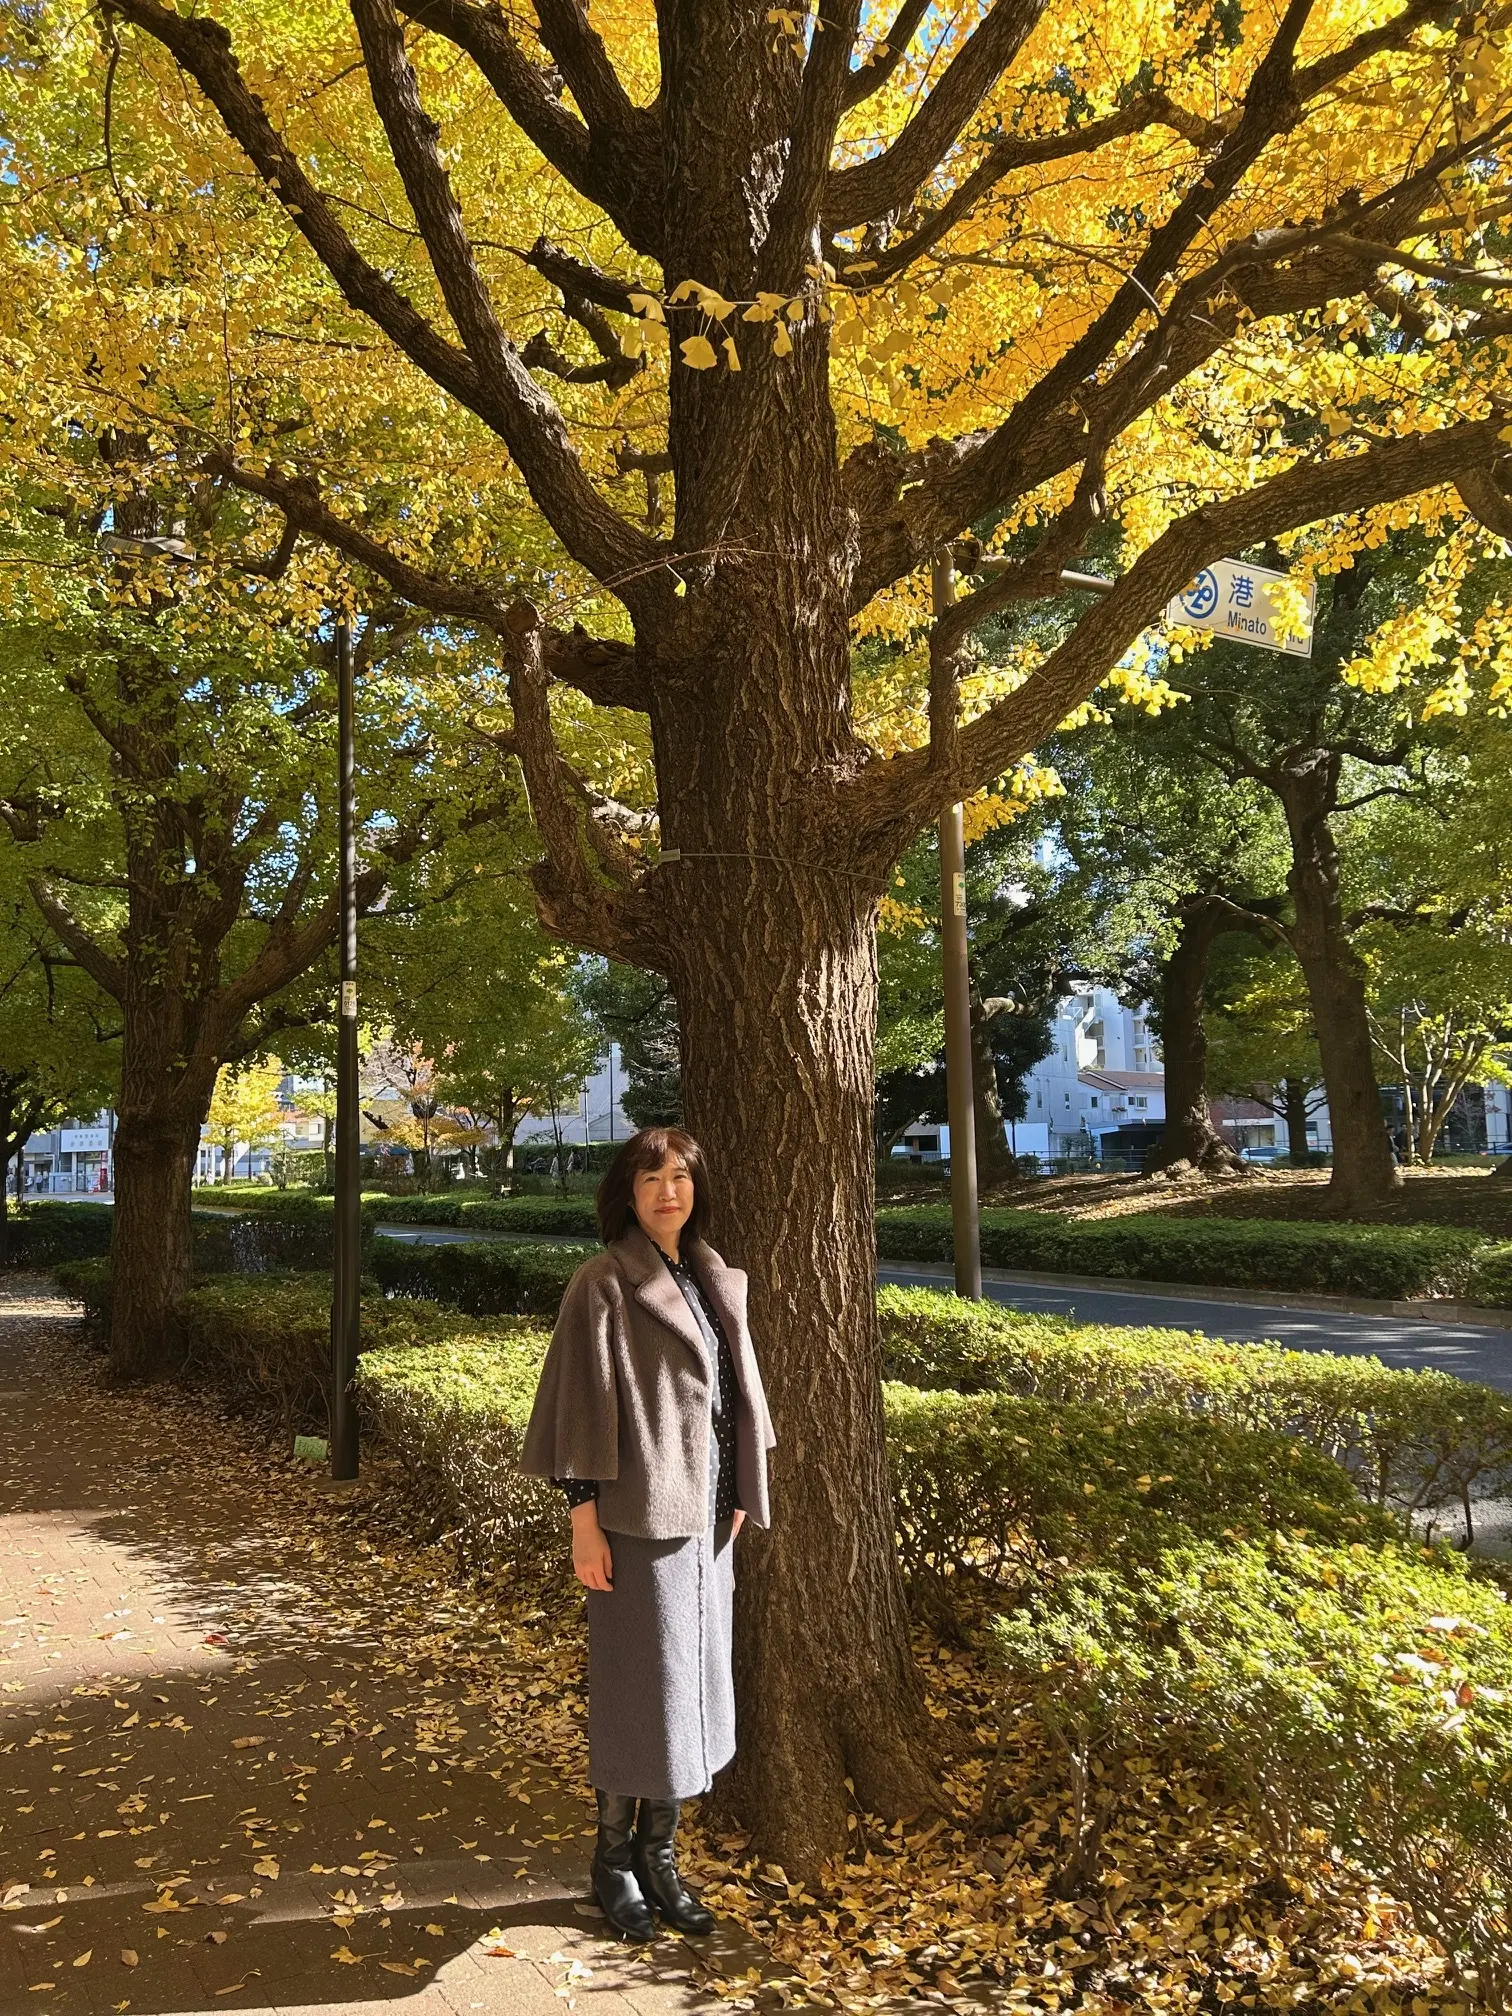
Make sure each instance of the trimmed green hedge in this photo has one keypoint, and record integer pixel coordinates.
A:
(1359, 1691)
(993, 1490)
(572, 1216)
(42, 1234)
(1392, 1262)
(1416, 1441)
(453, 1413)
(488, 1277)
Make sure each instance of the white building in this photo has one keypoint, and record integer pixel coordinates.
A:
(595, 1115)
(1099, 1094)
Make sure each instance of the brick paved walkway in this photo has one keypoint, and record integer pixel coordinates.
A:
(235, 1773)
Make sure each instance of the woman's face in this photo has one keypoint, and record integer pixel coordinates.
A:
(664, 1200)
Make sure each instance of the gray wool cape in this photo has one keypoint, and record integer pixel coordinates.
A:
(626, 1398)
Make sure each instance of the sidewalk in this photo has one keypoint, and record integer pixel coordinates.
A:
(246, 1755)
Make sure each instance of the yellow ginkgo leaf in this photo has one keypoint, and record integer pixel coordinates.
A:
(633, 342)
(732, 355)
(782, 342)
(764, 307)
(649, 306)
(698, 353)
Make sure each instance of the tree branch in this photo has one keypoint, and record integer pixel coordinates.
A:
(872, 76)
(1153, 108)
(604, 911)
(889, 800)
(888, 181)
(614, 160)
(821, 102)
(102, 969)
(493, 383)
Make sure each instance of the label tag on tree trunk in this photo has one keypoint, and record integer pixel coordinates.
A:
(349, 997)
(1251, 605)
(958, 895)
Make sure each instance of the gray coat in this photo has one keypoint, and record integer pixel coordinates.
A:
(626, 1391)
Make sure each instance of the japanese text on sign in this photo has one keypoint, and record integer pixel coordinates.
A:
(1252, 605)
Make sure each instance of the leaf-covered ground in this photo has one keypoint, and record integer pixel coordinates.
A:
(1466, 1197)
(259, 1740)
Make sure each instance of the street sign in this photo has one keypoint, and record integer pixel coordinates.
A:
(1252, 605)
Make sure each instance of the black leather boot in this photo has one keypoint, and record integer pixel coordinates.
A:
(614, 1884)
(656, 1872)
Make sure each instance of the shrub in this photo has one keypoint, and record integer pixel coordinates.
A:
(992, 1490)
(570, 1215)
(1391, 1261)
(43, 1234)
(454, 1414)
(1357, 1690)
(1416, 1441)
(485, 1278)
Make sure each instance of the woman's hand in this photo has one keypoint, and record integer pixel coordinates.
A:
(592, 1562)
(737, 1520)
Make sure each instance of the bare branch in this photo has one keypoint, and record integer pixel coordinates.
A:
(575, 276)
(820, 104)
(614, 368)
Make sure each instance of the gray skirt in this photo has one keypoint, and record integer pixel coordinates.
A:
(661, 1700)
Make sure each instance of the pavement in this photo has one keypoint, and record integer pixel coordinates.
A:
(245, 1763)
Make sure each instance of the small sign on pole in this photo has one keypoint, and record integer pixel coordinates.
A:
(1251, 605)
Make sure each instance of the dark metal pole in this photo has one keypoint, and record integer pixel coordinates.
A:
(963, 1168)
(346, 1309)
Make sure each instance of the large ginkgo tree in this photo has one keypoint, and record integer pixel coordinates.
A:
(752, 311)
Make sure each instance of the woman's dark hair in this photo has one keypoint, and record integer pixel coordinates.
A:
(614, 1200)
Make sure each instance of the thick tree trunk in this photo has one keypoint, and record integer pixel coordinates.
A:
(1364, 1170)
(995, 1164)
(1294, 1108)
(1190, 1135)
(150, 1242)
(778, 1009)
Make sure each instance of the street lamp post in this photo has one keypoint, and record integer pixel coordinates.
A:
(346, 1309)
(965, 1224)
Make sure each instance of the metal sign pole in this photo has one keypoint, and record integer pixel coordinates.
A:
(961, 1110)
(346, 1308)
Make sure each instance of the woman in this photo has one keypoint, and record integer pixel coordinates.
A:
(651, 1416)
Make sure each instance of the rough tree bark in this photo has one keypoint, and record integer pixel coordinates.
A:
(1364, 1169)
(1190, 1135)
(779, 826)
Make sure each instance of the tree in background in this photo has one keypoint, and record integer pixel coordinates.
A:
(1065, 227)
(58, 1047)
(167, 790)
(1259, 1029)
(634, 1009)
(1168, 860)
(244, 1111)
(461, 971)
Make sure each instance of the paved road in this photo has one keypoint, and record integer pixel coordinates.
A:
(1471, 1350)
